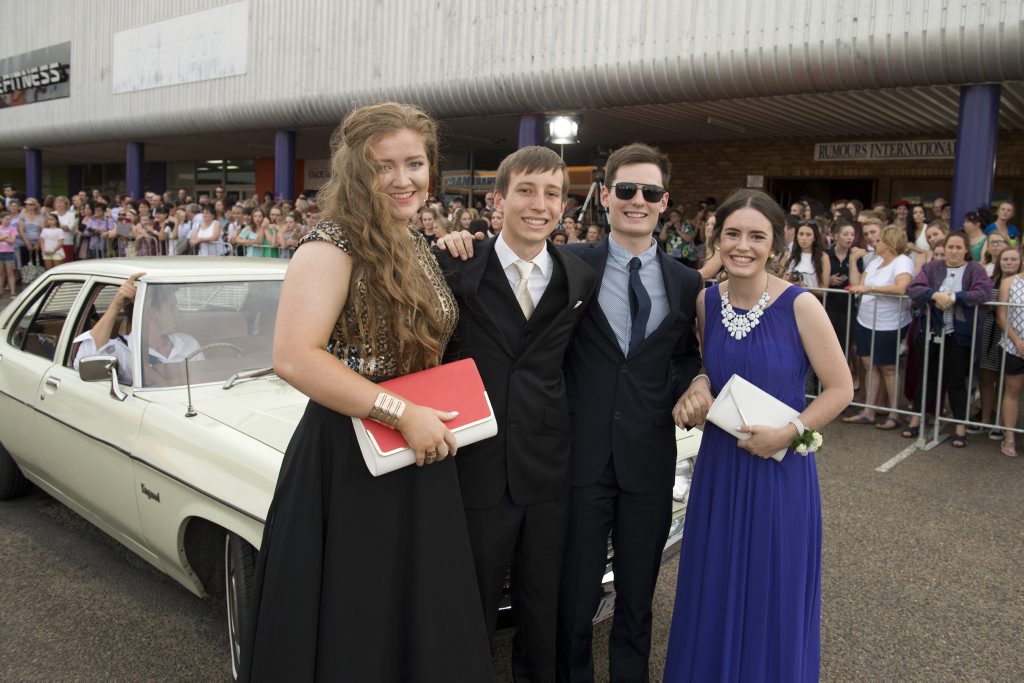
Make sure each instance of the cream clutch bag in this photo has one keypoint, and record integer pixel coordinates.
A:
(741, 403)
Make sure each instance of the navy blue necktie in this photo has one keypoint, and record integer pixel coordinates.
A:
(639, 306)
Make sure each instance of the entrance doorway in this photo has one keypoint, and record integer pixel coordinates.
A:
(233, 193)
(786, 191)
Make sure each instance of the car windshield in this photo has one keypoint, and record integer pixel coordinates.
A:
(223, 327)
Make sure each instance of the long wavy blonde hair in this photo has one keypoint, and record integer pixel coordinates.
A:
(401, 302)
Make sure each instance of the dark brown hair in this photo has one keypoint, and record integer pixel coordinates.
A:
(968, 256)
(527, 160)
(817, 249)
(760, 202)
(637, 153)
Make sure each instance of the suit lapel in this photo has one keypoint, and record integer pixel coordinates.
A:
(469, 287)
(597, 258)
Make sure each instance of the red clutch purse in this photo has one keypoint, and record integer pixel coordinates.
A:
(453, 387)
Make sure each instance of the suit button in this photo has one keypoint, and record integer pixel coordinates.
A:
(617, 415)
(513, 423)
(623, 369)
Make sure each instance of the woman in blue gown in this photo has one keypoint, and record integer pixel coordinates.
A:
(749, 589)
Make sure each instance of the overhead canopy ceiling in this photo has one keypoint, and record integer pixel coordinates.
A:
(836, 115)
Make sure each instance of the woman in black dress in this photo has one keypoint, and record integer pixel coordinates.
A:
(362, 578)
(839, 306)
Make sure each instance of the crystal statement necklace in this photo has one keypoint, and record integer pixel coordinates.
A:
(739, 326)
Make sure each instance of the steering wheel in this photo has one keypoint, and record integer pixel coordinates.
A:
(239, 351)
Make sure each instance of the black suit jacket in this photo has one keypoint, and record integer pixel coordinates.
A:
(622, 407)
(523, 376)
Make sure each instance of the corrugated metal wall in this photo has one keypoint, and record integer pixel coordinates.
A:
(312, 60)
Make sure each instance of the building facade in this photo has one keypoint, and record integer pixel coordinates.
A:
(782, 94)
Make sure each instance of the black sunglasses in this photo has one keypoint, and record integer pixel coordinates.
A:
(626, 191)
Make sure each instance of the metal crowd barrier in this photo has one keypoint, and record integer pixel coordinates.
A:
(925, 440)
(936, 437)
(112, 247)
(851, 321)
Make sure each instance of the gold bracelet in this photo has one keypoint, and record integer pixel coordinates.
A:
(387, 410)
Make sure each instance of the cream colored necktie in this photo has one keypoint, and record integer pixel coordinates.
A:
(525, 269)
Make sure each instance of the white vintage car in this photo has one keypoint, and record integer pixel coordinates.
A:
(179, 465)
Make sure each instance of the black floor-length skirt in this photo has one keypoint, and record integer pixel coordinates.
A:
(362, 578)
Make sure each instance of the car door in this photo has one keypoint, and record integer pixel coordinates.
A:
(29, 344)
(87, 435)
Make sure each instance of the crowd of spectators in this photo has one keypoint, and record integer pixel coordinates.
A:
(889, 276)
(91, 224)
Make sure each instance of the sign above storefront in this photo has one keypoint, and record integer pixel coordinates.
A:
(891, 150)
(459, 182)
(195, 47)
(317, 172)
(37, 76)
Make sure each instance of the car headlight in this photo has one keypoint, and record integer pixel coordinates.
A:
(684, 473)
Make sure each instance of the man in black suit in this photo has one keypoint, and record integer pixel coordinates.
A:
(633, 357)
(519, 302)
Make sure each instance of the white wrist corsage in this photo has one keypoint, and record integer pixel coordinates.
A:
(808, 442)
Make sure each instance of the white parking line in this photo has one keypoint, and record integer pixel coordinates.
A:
(896, 459)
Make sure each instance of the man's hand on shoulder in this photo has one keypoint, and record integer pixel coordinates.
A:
(459, 244)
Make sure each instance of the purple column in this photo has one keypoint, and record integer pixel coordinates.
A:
(134, 169)
(34, 174)
(975, 165)
(284, 164)
(531, 130)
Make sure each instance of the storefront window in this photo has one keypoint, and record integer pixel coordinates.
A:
(240, 172)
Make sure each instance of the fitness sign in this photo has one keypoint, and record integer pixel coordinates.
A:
(36, 76)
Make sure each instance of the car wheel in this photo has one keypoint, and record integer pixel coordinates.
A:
(13, 483)
(239, 571)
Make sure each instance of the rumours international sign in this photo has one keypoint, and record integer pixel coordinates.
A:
(892, 150)
(37, 76)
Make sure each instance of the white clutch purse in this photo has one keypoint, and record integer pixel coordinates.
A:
(741, 403)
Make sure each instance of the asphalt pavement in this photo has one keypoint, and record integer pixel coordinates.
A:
(921, 580)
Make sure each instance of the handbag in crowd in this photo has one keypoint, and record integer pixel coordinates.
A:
(32, 270)
(741, 403)
(451, 387)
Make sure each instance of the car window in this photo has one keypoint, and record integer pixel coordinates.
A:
(96, 304)
(39, 326)
(222, 327)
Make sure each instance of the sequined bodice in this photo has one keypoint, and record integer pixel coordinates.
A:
(362, 359)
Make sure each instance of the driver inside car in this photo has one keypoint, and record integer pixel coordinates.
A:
(163, 344)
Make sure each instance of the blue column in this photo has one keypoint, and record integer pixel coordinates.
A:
(76, 178)
(975, 165)
(34, 174)
(531, 130)
(284, 164)
(134, 169)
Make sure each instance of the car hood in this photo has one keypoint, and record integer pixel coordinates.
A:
(266, 409)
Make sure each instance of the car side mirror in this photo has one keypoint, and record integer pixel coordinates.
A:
(101, 369)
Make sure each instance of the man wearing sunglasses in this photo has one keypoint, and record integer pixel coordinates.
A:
(633, 355)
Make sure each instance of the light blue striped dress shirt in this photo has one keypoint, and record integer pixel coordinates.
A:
(614, 294)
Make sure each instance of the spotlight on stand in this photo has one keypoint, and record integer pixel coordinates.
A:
(563, 130)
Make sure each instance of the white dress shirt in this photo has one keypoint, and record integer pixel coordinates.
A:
(541, 276)
(119, 347)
